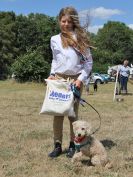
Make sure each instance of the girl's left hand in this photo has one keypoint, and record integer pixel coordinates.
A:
(78, 83)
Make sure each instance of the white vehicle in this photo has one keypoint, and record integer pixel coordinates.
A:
(96, 77)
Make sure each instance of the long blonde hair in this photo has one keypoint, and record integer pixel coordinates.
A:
(82, 41)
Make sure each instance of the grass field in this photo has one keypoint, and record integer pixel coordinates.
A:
(26, 137)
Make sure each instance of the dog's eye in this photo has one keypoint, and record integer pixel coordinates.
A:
(82, 128)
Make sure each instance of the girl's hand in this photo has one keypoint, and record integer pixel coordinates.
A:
(78, 83)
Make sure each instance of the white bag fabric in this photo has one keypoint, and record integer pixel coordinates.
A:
(59, 99)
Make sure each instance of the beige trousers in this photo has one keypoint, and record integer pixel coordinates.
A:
(58, 120)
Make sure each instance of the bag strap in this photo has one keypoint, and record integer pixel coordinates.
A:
(83, 58)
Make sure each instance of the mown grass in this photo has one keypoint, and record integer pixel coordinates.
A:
(26, 137)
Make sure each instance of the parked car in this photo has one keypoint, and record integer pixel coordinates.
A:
(96, 77)
(112, 78)
(107, 77)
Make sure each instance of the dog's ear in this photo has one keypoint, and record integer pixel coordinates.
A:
(74, 124)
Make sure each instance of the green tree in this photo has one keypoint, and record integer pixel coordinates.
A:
(46, 27)
(33, 34)
(115, 38)
(8, 48)
(26, 34)
(31, 67)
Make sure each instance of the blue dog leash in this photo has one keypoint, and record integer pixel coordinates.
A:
(76, 93)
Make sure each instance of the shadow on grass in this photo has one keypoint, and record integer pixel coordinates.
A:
(87, 163)
(129, 94)
(108, 143)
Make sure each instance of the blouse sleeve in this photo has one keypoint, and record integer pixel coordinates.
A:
(56, 52)
(53, 47)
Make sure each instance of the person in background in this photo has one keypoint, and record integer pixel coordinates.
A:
(95, 86)
(71, 59)
(87, 85)
(124, 71)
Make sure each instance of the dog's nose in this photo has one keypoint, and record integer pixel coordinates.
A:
(79, 135)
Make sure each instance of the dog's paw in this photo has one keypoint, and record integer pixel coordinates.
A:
(78, 164)
(109, 165)
(72, 160)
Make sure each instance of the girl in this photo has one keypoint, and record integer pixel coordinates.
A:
(71, 58)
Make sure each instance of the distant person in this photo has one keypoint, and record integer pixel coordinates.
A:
(124, 72)
(95, 86)
(87, 84)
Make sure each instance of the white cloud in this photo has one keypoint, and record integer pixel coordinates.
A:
(103, 13)
(94, 29)
(100, 12)
(130, 26)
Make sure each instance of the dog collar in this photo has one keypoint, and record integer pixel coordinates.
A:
(79, 140)
(79, 146)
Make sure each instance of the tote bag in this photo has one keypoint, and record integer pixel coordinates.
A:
(59, 99)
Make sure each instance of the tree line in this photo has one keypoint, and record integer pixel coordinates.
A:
(25, 45)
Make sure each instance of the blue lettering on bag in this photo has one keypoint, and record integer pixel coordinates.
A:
(59, 95)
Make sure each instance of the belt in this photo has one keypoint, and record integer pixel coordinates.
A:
(64, 76)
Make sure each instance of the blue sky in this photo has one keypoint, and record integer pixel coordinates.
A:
(99, 11)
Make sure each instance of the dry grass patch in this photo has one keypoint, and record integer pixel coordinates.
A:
(26, 137)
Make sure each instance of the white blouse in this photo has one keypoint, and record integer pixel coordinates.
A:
(124, 71)
(67, 61)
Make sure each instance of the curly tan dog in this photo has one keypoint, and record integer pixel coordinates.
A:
(88, 145)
